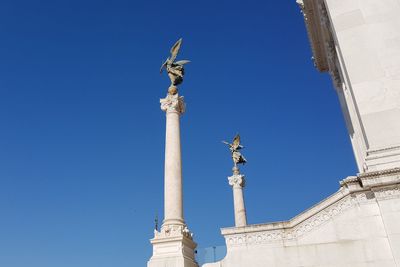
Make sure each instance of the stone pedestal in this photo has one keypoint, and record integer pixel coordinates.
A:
(173, 246)
(237, 182)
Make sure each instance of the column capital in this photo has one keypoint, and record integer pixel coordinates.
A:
(236, 180)
(173, 103)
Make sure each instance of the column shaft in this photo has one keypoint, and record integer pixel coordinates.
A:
(238, 202)
(173, 210)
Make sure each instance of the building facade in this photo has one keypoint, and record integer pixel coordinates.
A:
(358, 43)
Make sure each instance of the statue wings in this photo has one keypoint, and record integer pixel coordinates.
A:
(237, 157)
(174, 53)
(235, 143)
(175, 50)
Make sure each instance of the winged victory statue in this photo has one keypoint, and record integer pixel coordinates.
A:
(237, 157)
(175, 69)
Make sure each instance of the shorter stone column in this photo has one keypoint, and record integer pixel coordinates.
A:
(237, 182)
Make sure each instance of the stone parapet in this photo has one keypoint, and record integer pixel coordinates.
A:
(361, 214)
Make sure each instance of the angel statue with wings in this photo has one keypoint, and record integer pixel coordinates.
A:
(237, 157)
(174, 68)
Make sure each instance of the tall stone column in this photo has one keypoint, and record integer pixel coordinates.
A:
(237, 182)
(174, 106)
(173, 245)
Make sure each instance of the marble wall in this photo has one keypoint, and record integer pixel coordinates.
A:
(357, 226)
(367, 39)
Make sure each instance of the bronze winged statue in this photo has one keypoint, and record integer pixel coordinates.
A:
(237, 157)
(174, 68)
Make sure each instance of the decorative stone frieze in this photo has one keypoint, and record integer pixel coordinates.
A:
(173, 231)
(387, 193)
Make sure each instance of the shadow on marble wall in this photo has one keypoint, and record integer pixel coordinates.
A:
(210, 254)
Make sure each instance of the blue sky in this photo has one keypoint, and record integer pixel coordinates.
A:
(82, 134)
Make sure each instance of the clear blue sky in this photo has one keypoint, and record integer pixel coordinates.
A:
(82, 134)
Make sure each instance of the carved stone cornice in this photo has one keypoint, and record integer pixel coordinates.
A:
(330, 51)
(315, 31)
(394, 171)
(173, 103)
(320, 34)
(323, 18)
(351, 182)
(375, 179)
(333, 63)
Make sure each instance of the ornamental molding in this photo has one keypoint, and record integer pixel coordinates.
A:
(382, 150)
(331, 51)
(312, 19)
(336, 79)
(169, 231)
(323, 18)
(377, 174)
(351, 180)
(173, 103)
(320, 35)
(384, 194)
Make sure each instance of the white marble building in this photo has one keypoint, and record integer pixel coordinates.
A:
(358, 43)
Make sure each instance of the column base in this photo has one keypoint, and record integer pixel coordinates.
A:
(173, 246)
(175, 222)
